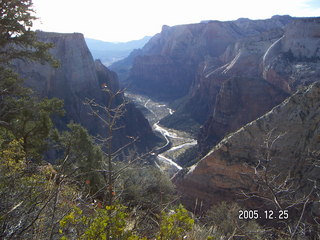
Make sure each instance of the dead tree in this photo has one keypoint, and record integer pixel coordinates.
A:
(294, 191)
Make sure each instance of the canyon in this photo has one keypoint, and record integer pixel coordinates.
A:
(224, 74)
(110, 52)
(233, 86)
(208, 81)
(282, 140)
(78, 79)
(209, 130)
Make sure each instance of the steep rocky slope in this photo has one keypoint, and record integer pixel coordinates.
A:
(228, 73)
(219, 68)
(281, 141)
(79, 78)
(239, 101)
(168, 63)
(289, 62)
(293, 60)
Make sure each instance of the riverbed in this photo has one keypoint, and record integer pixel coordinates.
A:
(176, 142)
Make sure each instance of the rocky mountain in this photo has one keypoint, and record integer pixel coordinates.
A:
(262, 63)
(168, 64)
(280, 144)
(226, 74)
(110, 52)
(293, 60)
(238, 101)
(288, 62)
(78, 78)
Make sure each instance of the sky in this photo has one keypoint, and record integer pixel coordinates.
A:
(125, 20)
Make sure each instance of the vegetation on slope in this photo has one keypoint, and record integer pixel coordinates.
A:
(86, 194)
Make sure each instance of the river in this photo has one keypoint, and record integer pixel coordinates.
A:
(177, 142)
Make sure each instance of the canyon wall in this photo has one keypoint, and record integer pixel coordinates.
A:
(277, 68)
(226, 73)
(280, 144)
(167, 65)
(77, 79)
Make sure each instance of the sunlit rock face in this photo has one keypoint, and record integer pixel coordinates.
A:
(168, 64)
(199, 61)
(270, 66)
(228, 73)
(293, 60)
(77, 79)
(286, 136)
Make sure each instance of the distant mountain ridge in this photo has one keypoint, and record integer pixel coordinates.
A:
(110, 52)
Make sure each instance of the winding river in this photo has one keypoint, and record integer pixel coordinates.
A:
(176, 143)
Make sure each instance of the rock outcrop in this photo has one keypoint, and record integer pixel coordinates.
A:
(288, 60)
(78, 78)
(194, 61)
(228, 73)
(167, 65)
(272, 64)
(239, 101)
(285, 137)
(293, 60)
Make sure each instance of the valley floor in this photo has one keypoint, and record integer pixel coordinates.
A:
(176, 142)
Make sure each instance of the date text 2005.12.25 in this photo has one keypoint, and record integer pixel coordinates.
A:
(264, 214)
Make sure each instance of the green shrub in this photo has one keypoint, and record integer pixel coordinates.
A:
(175, 225)
(106, 223)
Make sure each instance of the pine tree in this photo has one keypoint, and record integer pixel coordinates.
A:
(28, 118)
(17, 40)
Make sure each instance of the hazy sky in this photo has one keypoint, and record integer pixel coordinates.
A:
(124, 20)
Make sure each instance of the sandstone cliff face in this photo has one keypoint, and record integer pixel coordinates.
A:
(228, 89)
(293, 60)
(229, 73)
(287, 58)
(79, 78)
(288, 133)
(168, 63)
(239, 101)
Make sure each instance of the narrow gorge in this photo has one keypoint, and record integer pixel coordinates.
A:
(78, 79)
(221, 76)
(208, 130)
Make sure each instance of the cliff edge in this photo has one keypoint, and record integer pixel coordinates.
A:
(283, 138)
(78, 78)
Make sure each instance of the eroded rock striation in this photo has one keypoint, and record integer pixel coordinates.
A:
(239, 101)
(167, 65)
(287, 60)
(293, 60)
(285, 137)
(228, 73)
(77, 79)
